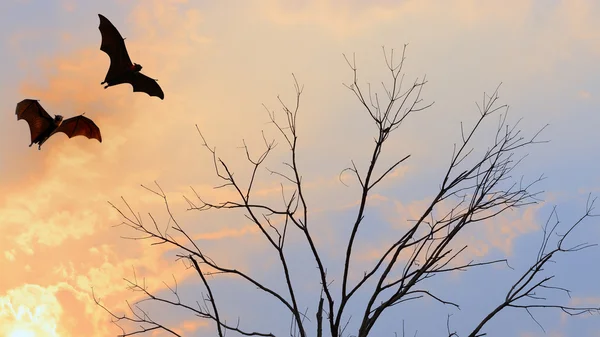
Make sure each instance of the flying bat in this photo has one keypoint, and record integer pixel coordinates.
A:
(42, 126)
(121, 69)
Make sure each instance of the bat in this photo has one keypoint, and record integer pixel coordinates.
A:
(121, 69)
(42, 126)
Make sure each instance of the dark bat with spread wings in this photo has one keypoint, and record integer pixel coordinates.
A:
(42, 126)
(121, 69)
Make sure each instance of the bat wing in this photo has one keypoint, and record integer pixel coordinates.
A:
(38, 119)
(143, 83)
(80, 126)
(113, 45)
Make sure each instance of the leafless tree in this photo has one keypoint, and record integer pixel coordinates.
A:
(477, 187)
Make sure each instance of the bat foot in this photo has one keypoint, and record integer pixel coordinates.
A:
(106, 86)
(30, 144)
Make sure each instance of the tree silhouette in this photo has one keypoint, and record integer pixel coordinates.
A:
(478, 187)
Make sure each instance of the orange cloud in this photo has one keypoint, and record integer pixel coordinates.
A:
(57, 310)
(584, 94)
(355, 18)
(69, 5)
(56, 223)
(499, 232)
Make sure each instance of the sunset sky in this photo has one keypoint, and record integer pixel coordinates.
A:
(218, 62)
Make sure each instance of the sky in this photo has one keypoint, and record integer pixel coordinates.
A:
(218, 62)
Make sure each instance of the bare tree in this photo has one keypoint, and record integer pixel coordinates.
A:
(477, 188)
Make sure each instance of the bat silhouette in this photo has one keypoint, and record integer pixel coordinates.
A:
(42, 126)
(121, 69)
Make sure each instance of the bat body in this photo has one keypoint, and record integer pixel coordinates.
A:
(121, 69)
(42, 126)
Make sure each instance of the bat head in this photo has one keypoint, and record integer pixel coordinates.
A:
(136, 67)
(58, 118)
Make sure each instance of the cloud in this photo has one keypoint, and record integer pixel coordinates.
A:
(584, 94)
(69, 5)
(191, 326)
(30, 308)
(338, 17)
(498, 233)
(55, 310)
(346, 19)
(53, 208)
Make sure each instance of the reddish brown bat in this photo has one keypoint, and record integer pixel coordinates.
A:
(121, 69)
(42, 126)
